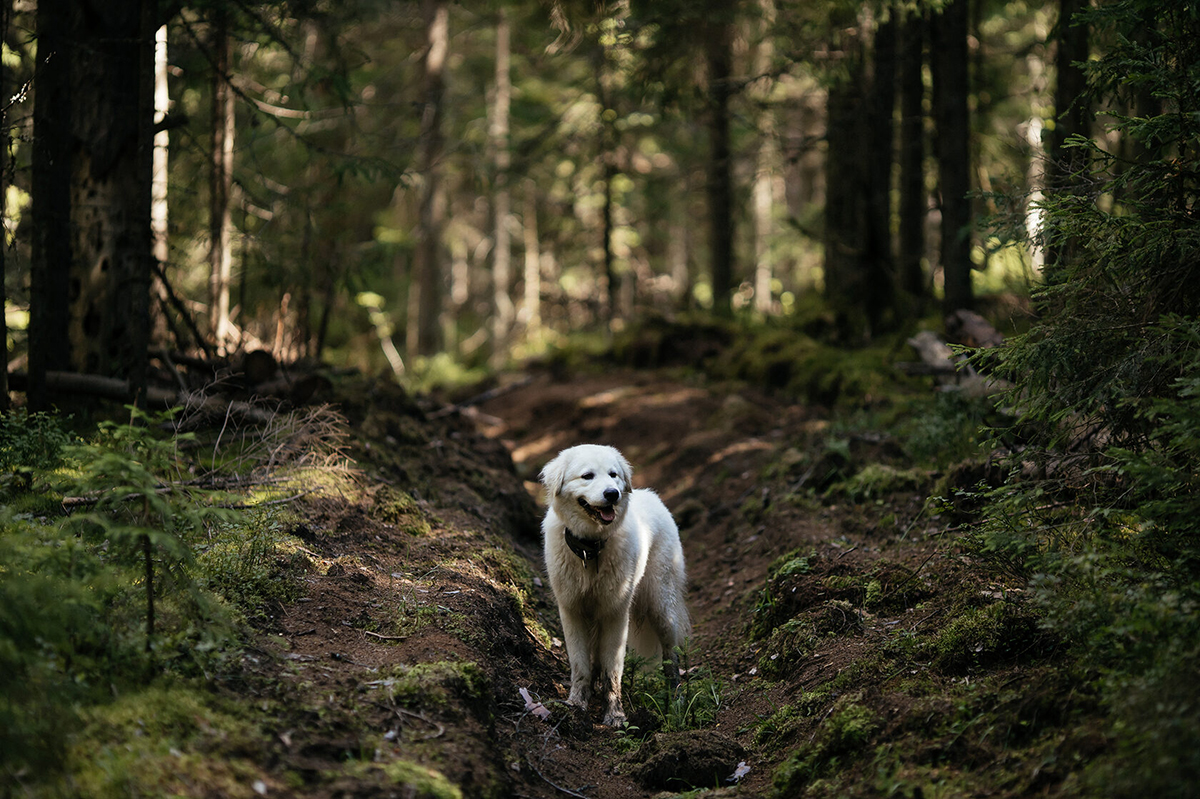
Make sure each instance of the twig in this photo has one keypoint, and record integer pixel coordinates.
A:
(847, 552)
(552, 784)
(386, 637)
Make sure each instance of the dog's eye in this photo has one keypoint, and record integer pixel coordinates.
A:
(612, 474)
(588, 476)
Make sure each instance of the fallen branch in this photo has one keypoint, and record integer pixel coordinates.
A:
(479, 399)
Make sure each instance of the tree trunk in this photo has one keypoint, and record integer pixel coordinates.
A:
(5, 12)
(425, 291)
(678, 256)
(220, 255)
(112, 128)
(50, 268)
(607, 146)
(912, 199)
(158, 204)
(950, 67)
(502, 305)
(846, 201)
(611, 281)
(532, 311)
(767, 163)
(719, 58)
(880, 297)
(1071, 109)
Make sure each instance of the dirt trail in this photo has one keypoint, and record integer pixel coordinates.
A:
(710, 456)
(424, 611)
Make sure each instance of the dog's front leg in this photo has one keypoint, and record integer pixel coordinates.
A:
(613, 634)
(575, 630)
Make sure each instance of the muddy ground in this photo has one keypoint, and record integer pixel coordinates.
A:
(846, 643)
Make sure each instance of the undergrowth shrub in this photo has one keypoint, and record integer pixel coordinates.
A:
(102, 594)
(1102, 512)
(692, 704)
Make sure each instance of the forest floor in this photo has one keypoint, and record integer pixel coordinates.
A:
(846, 643)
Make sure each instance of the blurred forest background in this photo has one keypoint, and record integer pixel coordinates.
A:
(436, 191)
(385, 184)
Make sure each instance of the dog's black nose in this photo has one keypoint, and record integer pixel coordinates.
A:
(612, 494)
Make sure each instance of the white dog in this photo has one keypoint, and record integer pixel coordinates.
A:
(616, 568)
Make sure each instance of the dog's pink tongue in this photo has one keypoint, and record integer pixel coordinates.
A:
(607, 514)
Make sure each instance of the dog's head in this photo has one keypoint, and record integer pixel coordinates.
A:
(588, 484)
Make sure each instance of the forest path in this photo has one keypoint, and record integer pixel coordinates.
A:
(730, 464)
(424, 610)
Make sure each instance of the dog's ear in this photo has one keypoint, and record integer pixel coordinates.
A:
(553, 474)
(626, 472)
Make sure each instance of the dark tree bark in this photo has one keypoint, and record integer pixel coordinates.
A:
(608, 156)
(113, 128)
(425, 290)
(719, 57)
(950, 67)
(50, 273)
(859, 281)
(880, 132)
(912, 200)
(846, 203)
(1071, 108)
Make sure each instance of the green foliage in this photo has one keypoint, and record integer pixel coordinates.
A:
(29, 443)
(247, 561)
(143, 509)
(116, 599)
(842, 736)
(1107, 384)
(948, 431)
(692, 704)
(878, 480)
(160, 741)
(437, 683)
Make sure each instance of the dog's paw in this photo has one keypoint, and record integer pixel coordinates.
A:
(614, 718)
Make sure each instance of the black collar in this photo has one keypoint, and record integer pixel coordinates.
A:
(587, 549)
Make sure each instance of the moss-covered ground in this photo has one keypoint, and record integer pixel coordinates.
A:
(396, 636)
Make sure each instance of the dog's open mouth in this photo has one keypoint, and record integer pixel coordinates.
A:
(605, 514)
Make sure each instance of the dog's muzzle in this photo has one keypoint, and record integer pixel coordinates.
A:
(605, 514)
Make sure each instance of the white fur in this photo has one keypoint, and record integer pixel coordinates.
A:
(635, 589)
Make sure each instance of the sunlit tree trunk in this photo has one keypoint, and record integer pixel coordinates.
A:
(220, 252)
(679, 257)
(502, 305)
(950, 67)
(912, 198)
(531, 312)
(159, 207)
(1035, 137)
(719, 58)
(425, 291)
(766, 166)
